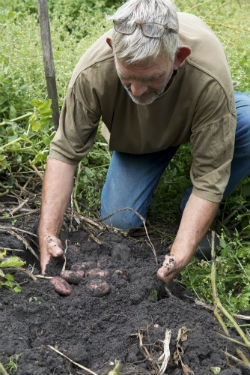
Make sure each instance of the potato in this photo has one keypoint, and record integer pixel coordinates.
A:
(98, 288)
(83, 266)
(73, 277)
(61, 286)
(97, 273)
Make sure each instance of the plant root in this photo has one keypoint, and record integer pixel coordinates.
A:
(146, 353)
(166, 351)
(177, 356)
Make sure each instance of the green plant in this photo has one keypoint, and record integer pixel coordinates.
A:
(34, 300)
(233, 275)
(7, 279)
(26, 144)
(154, 294)
(12, 364)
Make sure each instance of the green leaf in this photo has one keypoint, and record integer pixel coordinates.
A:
(45, 107)
(18, 289)
(2, 253)
(12, 261)
(9, 277)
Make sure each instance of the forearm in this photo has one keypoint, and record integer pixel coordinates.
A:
(196, 220)
(57, 188)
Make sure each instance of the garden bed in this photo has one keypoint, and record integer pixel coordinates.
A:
(128, 324)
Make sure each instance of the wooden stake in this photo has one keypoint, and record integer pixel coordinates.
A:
(48, 60)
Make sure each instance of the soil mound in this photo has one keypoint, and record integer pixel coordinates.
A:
(126, 323)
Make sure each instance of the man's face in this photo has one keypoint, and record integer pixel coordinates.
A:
(145, 82)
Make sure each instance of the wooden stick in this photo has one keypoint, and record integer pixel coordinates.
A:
(48, 59)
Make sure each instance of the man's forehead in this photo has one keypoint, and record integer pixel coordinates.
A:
(143, 71)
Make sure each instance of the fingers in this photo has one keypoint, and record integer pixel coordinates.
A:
(44, 260)
(168, 270)
(54, 246)
(50, 246)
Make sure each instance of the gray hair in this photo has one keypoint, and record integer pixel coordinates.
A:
(136, 47)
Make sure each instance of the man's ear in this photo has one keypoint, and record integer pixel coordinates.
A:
(182, 53)
(109, 41)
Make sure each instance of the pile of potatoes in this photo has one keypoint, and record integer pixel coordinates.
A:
(96, 279)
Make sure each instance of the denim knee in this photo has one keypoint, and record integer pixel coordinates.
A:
(123, 220)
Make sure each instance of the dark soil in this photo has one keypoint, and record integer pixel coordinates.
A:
(96, 331)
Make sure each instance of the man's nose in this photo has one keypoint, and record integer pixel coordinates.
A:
(138, 88)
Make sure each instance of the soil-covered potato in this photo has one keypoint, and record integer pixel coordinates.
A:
(97, 273)
(73, 277)
(61, 286)
(83, 266)
(98, 288)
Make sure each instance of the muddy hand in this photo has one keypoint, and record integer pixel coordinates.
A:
(169, 269)
(50, 246)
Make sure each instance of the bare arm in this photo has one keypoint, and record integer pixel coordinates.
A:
(196, 220)
(57, 188)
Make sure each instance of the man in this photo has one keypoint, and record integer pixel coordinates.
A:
(158, 80)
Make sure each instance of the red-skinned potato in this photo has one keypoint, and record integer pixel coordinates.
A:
(73, 277)
(97, 273)
(61, 286)
(98, 288)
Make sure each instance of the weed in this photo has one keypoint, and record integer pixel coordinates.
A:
(233, 275)
(34, 300)
(12, 364)
(154, 294)
(7, 279)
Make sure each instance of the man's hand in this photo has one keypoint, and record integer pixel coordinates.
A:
(57, 187)
(170, 268)
(196, 219)
(50, 246)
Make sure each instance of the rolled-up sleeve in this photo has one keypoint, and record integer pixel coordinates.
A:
(212, 138)
(78, 124)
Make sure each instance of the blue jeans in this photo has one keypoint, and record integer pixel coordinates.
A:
(131, 179)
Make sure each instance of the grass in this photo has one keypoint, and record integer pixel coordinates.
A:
(74, 27)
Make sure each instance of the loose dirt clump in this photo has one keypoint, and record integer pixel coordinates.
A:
(117, 310)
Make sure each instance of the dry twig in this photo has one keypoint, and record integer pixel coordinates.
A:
(243, 356)
(18, 207)
(20, 238)
(33, 277)
(146, 353)
(231, 339)
(237, 360)
(31, 212)
(75, 363)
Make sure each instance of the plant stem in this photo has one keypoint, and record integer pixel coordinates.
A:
(218, 304)
(2, 370)
(16, 119)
